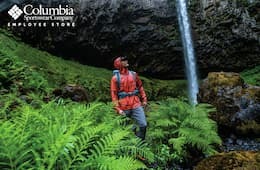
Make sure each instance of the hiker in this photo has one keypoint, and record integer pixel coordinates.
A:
(126, 87)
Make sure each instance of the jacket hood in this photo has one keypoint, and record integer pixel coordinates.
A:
(117, 63)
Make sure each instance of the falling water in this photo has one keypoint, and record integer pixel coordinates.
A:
(190, 61)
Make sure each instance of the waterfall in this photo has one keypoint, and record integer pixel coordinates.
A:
(190, 62)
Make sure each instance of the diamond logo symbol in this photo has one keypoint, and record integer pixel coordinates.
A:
(15, 12)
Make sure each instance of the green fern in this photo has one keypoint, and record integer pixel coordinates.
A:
(113, 163)
(78, 153)
(174, 122)
(135, 146)
(17, 74)
(14, 148)
(108, 144)
(67, 136)
(7, 104)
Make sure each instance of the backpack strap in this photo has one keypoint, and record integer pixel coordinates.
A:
(118, 79)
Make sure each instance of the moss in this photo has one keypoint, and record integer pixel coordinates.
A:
(224, 79)
(232, 160)
(249, 127)
(252, 76)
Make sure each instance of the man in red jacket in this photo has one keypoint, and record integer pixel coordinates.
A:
(126, 87)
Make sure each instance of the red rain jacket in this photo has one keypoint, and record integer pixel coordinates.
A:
(128, 83)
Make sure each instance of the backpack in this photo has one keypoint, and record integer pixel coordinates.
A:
(118, 80)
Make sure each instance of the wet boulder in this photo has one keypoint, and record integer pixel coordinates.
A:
(74, 92)
(231, 160)
(237, 103)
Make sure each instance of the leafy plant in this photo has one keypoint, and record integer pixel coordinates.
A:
(7, 103)
(61, 135)
(17, 74)
(181, 126)
(14, 147)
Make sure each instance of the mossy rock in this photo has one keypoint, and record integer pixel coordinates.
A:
(235, 160)
(237, 103)
(246, 127)
(230, 79)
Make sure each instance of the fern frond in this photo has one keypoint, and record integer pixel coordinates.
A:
(14, 148)
(83, 142)
(113, 163)
(156, 134)
(59, 142)
(184, 125)
(178, 144)
(108, 144)
(166, 123)
(135, 146)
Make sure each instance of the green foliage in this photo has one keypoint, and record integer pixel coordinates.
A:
(19, 83)
(252, 76)
(177, 124)
(164, 154)
(14, 147)
(7, 103)
(16, 74)
(162, 89)
(67, 136)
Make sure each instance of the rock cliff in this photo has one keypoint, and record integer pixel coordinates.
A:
(226, 35)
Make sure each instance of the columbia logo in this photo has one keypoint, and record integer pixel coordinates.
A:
(15, 12)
